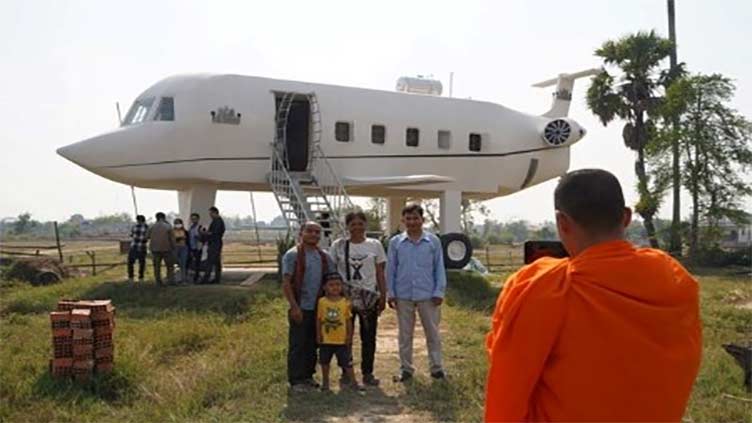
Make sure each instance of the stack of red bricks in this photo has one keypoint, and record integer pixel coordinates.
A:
(82, 338)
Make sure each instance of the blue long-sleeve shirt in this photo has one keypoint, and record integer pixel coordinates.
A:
(415, 270)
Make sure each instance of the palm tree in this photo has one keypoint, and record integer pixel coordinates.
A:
(633, 97)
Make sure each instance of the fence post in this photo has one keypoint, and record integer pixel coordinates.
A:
(93, 256)
(57, 242)
(488, 258)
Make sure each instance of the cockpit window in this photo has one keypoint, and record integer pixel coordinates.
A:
(166, 109)
(138, 111)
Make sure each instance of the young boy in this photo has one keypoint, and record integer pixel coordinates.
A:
(334, 331)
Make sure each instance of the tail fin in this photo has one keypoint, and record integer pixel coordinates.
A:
(563, 94)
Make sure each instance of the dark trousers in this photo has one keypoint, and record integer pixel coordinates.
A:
(133, 255)
(194, 262)
(368, 323)
(213, 263)
(301, 348)
(158, 257)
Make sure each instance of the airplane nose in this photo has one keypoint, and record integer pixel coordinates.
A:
(90, 153)
(68, 152)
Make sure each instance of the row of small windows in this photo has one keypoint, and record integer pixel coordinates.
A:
(343, 133)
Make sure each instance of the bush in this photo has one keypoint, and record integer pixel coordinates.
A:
(38, 271)
(717, 257)
(494, 239)
(476, 241)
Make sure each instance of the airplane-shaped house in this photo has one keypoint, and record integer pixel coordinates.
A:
(315, 145)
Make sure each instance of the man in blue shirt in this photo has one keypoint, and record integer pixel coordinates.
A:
(303, 269)
(416, 281)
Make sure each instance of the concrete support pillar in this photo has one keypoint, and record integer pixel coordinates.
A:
(394, 206)
(197, 199)
(450, 211)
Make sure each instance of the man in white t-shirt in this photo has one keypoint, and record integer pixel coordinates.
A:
(361, 263)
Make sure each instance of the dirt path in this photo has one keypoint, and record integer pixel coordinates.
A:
(385, 404)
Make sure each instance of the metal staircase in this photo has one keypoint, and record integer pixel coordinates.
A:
(316, 194)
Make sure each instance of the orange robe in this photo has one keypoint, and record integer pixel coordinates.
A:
(613, 334)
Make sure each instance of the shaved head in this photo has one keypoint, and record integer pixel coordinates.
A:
(592, 198)
(309, 223)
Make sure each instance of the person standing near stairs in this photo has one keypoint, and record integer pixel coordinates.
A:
(361, 261)
(303, 270)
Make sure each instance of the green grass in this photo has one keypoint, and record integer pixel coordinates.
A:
(217, 353)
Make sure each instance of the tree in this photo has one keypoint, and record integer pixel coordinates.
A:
(675, 242)
(469, 207)
(109, 219)
(519, 229)
(376, 214)
(716, 149)
(24, 224)
(634, 98)
(547, 232)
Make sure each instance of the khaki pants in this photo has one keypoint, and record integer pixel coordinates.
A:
(430, 316)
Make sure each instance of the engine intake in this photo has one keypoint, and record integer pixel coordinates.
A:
(557, 132)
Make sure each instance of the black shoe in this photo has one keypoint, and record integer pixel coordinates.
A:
(403, 377)
(370, 380)
(438, 375)
(311, 383)
(344, 380)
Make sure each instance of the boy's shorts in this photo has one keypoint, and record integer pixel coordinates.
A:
(341, 351)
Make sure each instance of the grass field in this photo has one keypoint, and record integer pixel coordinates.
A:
(217, 353)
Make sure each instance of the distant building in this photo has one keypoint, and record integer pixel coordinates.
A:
(736, 235)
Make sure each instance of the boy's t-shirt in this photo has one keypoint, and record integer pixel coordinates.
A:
(333, 316)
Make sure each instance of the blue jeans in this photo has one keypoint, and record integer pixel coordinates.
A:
(182, 255)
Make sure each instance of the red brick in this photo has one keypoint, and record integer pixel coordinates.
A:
(61, 333)
(59, 316)
(104, 367)
(103, 352)
(84, 349)
(83, 334)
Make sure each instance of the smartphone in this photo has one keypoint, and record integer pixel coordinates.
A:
(537, 249)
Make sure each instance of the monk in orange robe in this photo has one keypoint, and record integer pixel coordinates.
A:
(611, 333)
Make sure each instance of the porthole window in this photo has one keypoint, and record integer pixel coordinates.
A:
(378, 134)
(445, 140)
(342, 131)
(412, 136)
(475, 142)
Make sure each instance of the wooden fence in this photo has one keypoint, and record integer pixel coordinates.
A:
(97, 255)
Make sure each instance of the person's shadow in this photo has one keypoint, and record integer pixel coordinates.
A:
(374, 405)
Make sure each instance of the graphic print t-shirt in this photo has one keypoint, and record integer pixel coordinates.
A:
(364, 257)
(333, 316)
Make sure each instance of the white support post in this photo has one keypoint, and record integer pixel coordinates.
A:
(394, 206)
(197, 199)
(450, 211)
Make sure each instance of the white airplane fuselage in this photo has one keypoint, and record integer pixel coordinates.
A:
(192, 149)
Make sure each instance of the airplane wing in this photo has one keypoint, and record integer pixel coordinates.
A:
(395, 181)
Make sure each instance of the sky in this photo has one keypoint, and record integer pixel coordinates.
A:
(66, 64)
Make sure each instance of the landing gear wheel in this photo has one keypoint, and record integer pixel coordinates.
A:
(457, 250)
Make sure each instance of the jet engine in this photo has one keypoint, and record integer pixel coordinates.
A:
(560, 132)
